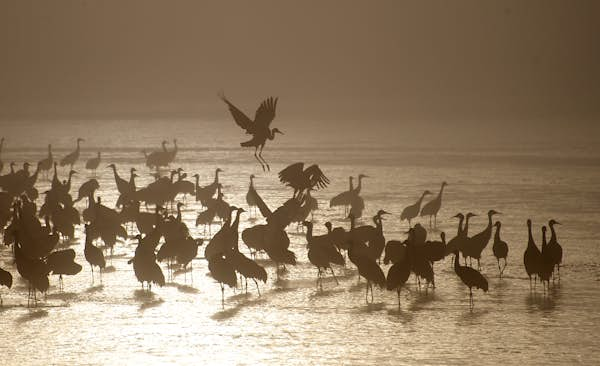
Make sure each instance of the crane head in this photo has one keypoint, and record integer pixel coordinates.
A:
(328, 225)
(219, 170)
(553, 222)
(360, 176)
(382, 212)
(493, 212)
(529, 223)
(497, 224)
(276, 130)
(427, 192)
(307, 223)
(79, 139)
(470, 214)
(459, 216)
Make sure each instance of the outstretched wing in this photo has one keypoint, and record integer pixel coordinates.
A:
(316, 177)
(292, 175)
(238, 116)
(266, 112)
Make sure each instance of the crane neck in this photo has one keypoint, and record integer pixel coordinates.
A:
(441, 191)
(351, 183)
(552, 234)
(216, 176)
(236, 222)
(544, 242)
(530, 241)
(497, 235)
(251, 182)
(466, 227)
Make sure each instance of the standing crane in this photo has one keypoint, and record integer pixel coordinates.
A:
(471, 278)
(412, 211)
(432, 207)
(500, 248)
(72, 158)
(532, 258)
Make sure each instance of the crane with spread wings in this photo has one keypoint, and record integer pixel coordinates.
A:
(301, 180)
(259, 128)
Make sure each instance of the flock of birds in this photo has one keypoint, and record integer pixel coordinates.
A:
(162, 235)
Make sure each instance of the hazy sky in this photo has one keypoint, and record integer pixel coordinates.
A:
(344, 60)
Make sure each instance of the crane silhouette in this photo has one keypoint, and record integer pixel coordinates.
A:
(471, 278)
(532, 258)
(412, 211)
(301, 180)
(93, 255)
(251, 198)
(499, 248)
(47, 163)
(93, 163)
(475, 244)
(432, 207)
(259, 128)
(554, 248)
(72, 158)
(344, 198)
(547, 264)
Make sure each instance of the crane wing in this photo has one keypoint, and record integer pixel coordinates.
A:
(316, 177)
(238, 116)
(266, 112)
(262, 206)
(292, 174)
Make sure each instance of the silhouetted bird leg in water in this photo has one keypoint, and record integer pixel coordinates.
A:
(263, 159)
(334, 277)
(471, 303)
(257, 288)
(257, 159)
(222, 296)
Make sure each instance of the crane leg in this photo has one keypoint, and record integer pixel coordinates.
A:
(334, 277)
(471, 303)
(259, 161)
(435, 220)
(263, 159)
(398, 291)
(222, 296)
(499, 270)
(367, 293)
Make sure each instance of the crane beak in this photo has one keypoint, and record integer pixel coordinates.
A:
(557, 223)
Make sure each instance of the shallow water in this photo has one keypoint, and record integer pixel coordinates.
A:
(292, 323)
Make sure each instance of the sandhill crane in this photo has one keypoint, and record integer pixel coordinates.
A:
(397, 276)
(157, 159)
(205, 194)
(122, 185)
(500, 248)
(6, 279)
(251, 199)
(554, 249)
(62, 262)
(182, 186)
(301, 180)
(47, 163)
(395, 251)
(72, 158)
(412, 211)
(222, 270)
(475, 245)
(321, 253)
(343, 199)
(87, 189)
(145, 267)
(93, 163)
(432, 207)
(376, 243)
(367, 268)
(547, 265)
(92, 254)
(471, 278)
(532, 258)
(435, 250)
(259, 128)
(245, 266)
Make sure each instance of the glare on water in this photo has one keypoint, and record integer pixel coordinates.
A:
(115, 322)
